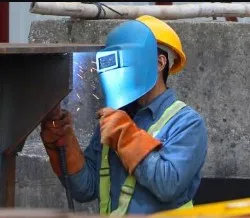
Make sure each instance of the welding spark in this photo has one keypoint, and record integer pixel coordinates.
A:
(54, 123)
(79, 76)
(92, 69)
(93, 62)
(78, 95)
(81, 71)
(80, 67)
(77, 109)
(95, 96)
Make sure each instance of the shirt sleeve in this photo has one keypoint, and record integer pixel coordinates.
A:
(169, 171)
(83, 185)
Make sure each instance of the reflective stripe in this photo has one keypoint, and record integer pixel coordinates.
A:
(166, 116)
(104, 186)
(127, 189)
(189, 204)
(126, 194)
(104, 172)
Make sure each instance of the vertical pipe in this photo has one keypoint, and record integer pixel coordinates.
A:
(7, 162)
(7, 180)
(4, 22)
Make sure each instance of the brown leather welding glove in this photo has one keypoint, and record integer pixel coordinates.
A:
(58, 125)
(119, 132)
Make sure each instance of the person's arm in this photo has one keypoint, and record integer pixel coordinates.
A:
(169, 171)
(84, 183)
(58, 126)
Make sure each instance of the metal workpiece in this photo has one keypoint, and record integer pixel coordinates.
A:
(34, 78)
(31, 85)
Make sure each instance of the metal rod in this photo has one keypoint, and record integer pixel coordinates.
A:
(7, 176)
(62, 155)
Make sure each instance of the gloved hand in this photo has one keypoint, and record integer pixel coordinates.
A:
(57, 125)
(119, 132)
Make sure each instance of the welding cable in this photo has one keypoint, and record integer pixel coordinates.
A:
(100, 6)
(62, 155)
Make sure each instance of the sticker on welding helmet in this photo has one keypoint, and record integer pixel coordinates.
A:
(106, 60)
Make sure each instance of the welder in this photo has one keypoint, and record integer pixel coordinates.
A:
(148, 148)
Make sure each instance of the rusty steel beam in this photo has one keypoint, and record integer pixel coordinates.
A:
(10, 180)
(34, 78)
(37, 48)
(7, 182)
(31, 85)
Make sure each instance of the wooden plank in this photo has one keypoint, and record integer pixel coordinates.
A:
(26, 48)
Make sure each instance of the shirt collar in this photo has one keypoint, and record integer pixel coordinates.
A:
(161, 102)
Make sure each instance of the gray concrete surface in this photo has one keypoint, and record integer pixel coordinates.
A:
(215, 81)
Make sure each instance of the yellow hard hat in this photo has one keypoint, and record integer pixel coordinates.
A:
(166, 36)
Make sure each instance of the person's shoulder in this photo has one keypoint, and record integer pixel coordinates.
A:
(188, 116)
(185, 123)
(191, 112)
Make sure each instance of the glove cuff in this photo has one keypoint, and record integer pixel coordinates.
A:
(140, 145)
(74, 157)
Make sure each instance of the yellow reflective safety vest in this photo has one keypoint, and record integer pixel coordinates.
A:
(128, 187)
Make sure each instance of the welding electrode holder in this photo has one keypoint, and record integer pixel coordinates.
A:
(62, 156)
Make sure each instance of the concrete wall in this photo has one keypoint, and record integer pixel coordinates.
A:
(20, 18)
(215, 81)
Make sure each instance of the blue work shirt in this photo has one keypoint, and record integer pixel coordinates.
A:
(166, 178)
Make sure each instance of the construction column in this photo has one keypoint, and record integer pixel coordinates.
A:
(4, 22)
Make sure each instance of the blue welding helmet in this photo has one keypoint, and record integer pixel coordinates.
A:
(127, 66)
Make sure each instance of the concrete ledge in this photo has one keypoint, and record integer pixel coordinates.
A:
(38, 187)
